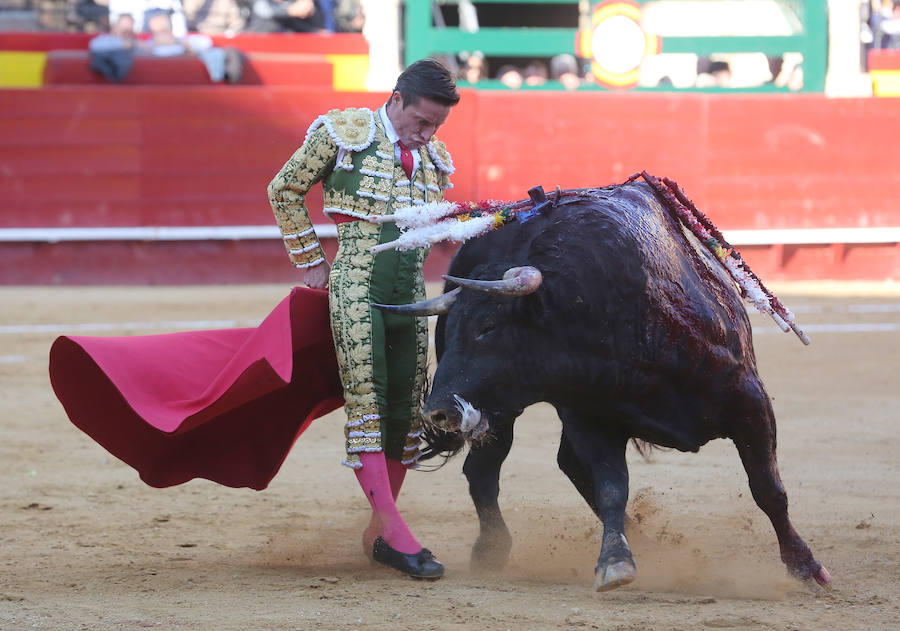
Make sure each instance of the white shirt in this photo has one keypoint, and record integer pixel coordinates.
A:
(394, 138)
(137, 8)
(106, 42)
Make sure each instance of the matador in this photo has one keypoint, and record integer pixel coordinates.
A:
(369, 164)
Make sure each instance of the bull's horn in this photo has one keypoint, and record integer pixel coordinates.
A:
(517, 281)
(438, 305)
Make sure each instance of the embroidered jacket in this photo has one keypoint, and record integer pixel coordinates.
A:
(349, 152)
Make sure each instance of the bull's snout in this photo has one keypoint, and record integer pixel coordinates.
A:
(461, 417)
(444, 417)
(438, 418)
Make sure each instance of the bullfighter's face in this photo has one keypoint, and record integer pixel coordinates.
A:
(416, 123)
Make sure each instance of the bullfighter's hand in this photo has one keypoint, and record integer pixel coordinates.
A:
(316, 277)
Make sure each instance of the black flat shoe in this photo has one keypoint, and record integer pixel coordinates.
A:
(419, 565)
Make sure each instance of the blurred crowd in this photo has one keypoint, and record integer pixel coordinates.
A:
(881, 24)
(172, 28)
(112, 54)
(569, 72)
(880, 29)
(563, 68)
(218, 17)
(473, 67)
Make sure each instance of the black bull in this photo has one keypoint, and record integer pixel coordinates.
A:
(632, 330)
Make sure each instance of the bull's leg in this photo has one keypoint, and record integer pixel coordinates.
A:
(753, 431)
(482, 470)
(594, 459)
(577, 473)
(582, 478)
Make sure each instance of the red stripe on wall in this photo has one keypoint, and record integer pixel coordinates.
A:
(112, 155)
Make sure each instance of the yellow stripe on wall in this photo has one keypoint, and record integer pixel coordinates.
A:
(19, 69)
(350, 72)
(885, 82)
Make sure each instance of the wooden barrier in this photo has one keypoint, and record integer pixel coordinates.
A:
(884, 68)
(777, 169)
(338, 60)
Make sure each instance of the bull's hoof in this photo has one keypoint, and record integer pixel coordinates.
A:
(813, 570)
(822, 581)
(822, 577)
(491, 553)
(614, 575)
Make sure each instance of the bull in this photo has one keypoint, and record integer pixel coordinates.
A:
(612, 312)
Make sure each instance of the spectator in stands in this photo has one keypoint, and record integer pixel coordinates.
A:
(112, 54)
(215, 17)
(291, 16)
(88, 15)
(564, 68)
(787, 71)
(221, 63)
(721, 73)
(535, 73)
(880, 12)
(349, 16)
(140, 10)
(713, 74)
(510, 76)
(888, 33)
(776, 64)
(474, 67)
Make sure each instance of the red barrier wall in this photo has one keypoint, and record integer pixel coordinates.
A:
(72, 67)
(751, 161)
(113, 156)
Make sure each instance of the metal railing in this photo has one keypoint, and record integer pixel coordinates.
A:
(807, 21)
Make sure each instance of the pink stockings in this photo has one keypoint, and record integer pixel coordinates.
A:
(381, 479)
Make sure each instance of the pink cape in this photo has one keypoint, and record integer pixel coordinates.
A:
(226, 405)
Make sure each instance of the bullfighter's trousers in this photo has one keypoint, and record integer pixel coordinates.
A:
(382, 357)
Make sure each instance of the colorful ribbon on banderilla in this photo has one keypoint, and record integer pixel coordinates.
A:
(700, 225)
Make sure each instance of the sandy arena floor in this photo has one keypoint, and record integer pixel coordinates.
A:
(85, 545)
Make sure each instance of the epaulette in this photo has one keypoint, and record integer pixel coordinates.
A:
(440, 156)
(352, 129)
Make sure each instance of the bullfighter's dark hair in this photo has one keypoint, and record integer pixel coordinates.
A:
(427, 79)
